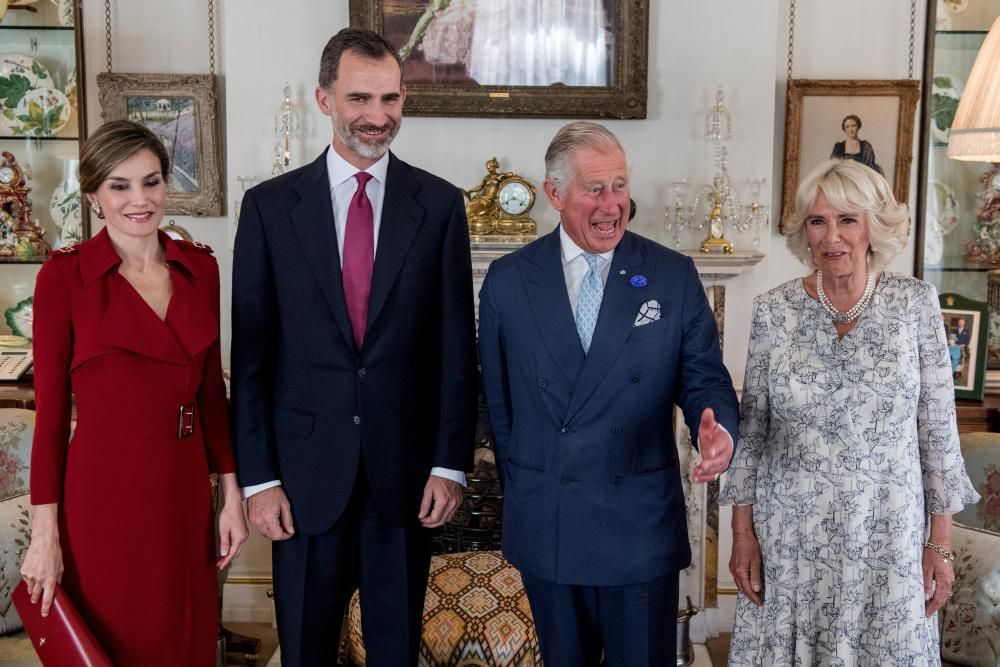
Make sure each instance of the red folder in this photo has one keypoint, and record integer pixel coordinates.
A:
(61, 638)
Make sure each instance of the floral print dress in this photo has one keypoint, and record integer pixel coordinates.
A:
(846, 444)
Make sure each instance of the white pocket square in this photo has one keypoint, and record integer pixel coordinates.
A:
(649, 312)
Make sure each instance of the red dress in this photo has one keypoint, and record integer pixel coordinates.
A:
(135, 515)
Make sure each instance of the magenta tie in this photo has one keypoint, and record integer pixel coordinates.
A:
(359, 257)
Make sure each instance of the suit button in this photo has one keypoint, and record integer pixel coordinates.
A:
(616, 430)
(564, 430)
(634, 379)
(543, 383)
(357, 419)
(617, 480)
(362, 372)
(565, 480)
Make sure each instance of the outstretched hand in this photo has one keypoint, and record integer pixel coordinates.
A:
(716, 447)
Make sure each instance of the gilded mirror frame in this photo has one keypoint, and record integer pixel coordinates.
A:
(625, 98)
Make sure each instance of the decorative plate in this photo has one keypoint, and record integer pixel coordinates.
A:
(42, 112)
(19, 318)
(66, 214)
(933, 244)
(942, 17)
(945, 93)
(944, 206)
(65, 9)
(70, 88)
(14, 65)
(13, 341)
(19, 75)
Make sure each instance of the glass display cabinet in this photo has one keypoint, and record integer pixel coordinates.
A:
(42, 122)
(957, 219)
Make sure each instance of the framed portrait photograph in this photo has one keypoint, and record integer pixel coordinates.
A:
(522, 58)
(182, 110)
(965, 326)
(867, 121)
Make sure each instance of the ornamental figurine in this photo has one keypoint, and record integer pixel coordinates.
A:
(21, 238)
(497, 208)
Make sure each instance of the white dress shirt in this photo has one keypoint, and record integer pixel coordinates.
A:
(343, 186)
(575, 267)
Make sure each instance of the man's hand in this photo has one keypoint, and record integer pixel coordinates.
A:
(716, 446)
(441, 498)
(271, 513)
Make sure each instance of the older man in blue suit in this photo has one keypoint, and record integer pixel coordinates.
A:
(588, 338)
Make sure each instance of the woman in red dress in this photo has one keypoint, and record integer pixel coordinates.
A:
(128, 323)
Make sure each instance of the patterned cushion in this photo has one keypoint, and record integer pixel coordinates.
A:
(981, 452)
(16, 430)
(15, 532)
(970, 620)
(476, 614)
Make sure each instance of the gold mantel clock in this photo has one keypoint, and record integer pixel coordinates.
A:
(498, 207)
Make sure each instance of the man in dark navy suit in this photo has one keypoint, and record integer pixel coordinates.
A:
(354, 369)
(588, 337)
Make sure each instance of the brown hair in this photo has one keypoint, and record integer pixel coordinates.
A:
(361, 42)
(113, 143)
(848, 117)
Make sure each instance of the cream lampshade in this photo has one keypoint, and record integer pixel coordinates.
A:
(975, 134)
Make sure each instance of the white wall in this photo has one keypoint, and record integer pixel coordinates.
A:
(693, 48)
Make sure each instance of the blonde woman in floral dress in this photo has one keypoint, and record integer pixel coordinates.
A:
(848, 467)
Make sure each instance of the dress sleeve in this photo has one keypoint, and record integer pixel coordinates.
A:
(52, 347)
(755, 416)
(947, 488)
(212, 397)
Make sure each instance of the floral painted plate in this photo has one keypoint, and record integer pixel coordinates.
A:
(19, 318)
(945, 93)
(19, 75)
(42, 112)
(66, 214)
(944, 206)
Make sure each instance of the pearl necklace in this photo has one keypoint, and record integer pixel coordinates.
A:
(854, 312)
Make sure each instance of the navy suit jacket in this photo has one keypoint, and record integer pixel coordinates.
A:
(306, 402)
(585, 444)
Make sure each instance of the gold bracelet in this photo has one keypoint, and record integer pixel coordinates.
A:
(937, 548)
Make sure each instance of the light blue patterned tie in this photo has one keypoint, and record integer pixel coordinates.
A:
(589, 305)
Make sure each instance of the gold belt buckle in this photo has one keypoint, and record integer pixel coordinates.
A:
(185, 420)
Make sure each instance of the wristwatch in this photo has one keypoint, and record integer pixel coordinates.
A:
(937, 548)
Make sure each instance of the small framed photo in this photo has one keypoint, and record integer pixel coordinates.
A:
(867, 121)
(965, 327)
(182, 110)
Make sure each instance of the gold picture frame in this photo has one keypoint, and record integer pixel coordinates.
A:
(182, 109)
(817, 112)
(449, 89)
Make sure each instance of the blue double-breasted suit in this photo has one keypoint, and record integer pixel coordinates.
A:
(584, 443)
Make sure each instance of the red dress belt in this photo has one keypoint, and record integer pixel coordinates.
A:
(176, 422)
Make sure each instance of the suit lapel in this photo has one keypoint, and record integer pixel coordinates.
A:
(312, 220)
(549, 302)
(402, 216)
(130, 324)
(190, 315)
(614, 323)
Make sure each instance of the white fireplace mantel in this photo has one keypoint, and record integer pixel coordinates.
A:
(716, 268)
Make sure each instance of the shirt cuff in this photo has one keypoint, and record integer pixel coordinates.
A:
(257, 488)
(732, 442)
(448, 473)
